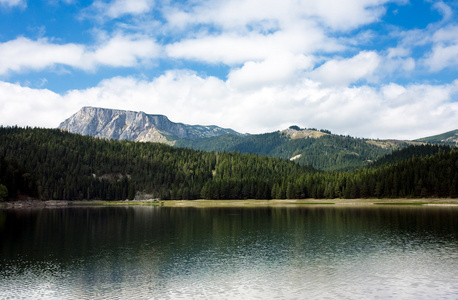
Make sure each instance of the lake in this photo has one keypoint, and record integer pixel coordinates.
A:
(307, 252)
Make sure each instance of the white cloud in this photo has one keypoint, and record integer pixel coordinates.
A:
(398, 52)
(238, 32)
(228, 49)
(443, 9)
(120, 51)
(421, 109)
(440, 38)
(444, 52)
(272, 71)
(338, 15)
(397, 62)
(24, 106)
(442, 57)
(393, 111)
(228, 14)
(118, 8)
(446, 35)
(233, 48)
(405, 65)
(13, 3)
(134, 7)
(23, 54)
(345, 71)
(345, 15)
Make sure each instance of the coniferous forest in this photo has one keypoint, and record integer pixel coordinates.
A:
(330, 153)
(52, 164)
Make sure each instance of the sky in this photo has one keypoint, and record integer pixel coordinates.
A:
(365, 68)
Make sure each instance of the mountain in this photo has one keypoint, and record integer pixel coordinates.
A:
(318, 148)
(448, 138)
(135, 126)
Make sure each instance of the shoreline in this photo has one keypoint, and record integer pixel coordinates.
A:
(232, 203)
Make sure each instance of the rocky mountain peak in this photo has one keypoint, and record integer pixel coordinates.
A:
(134, 126)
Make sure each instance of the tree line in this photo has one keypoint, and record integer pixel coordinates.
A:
(68, 166)
(417, 177)
(52, 164)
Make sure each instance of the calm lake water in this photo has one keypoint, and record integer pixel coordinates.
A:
(229, 253)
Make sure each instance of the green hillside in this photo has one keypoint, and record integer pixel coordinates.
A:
(447, 138)
(327, 152)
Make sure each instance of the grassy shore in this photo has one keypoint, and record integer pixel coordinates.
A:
(236, 203)
(308, 202)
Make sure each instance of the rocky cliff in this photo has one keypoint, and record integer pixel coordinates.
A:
(135, 126)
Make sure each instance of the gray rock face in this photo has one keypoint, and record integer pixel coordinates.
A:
(134, 126)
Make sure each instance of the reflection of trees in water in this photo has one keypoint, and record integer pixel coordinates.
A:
(144, 235)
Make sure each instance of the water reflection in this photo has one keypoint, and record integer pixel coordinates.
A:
(296, 253)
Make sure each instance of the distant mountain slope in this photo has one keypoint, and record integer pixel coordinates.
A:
(135, 126)
(320, 149)
(447, 138)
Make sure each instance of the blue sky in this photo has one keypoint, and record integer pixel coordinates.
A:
(367, 68)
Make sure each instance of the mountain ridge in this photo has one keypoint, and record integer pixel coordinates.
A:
(135, 126)
(447, 138)
(318, 148)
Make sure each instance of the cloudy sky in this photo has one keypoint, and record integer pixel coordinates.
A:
(367, 68)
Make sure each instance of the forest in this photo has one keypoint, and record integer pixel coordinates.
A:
(52, 164)
(328, 153)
